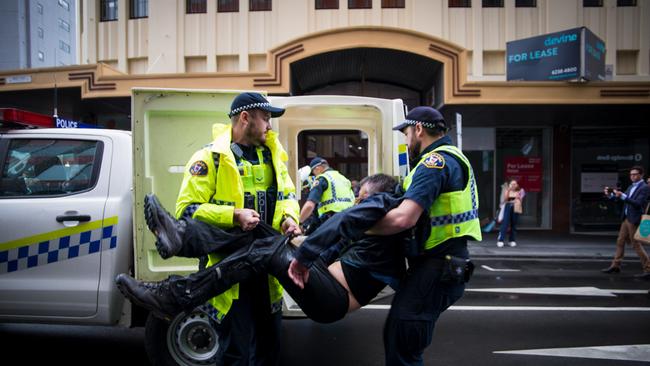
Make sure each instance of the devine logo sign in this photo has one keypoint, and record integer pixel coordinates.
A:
(574, 54)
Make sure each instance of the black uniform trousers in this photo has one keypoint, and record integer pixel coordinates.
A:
(415, 308)
(250, 334)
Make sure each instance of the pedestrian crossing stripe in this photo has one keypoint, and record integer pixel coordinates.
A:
(58, 245)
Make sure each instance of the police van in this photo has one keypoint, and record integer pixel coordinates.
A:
(71, 202)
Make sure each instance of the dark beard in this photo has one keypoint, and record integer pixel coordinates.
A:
(414, 154)
(250, 136)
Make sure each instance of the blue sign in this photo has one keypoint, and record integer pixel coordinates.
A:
(567, 55)
(593, 56)
(67, 123)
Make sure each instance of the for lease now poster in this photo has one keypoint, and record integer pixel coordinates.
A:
(526, 170)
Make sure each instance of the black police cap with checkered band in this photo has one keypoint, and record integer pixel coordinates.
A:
(248, 101)
(427, 116)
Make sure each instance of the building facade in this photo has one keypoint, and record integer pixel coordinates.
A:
(564, 140)
(38, 33)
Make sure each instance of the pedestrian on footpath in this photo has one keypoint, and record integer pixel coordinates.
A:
(634, 202)
(511, 204)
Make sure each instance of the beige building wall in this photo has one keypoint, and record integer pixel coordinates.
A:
(171, 41)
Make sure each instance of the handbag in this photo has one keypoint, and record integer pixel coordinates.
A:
(500, 214)
(642, 233)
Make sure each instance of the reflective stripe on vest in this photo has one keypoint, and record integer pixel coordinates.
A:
(338, 196)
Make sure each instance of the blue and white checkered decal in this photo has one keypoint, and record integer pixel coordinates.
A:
(59, 248)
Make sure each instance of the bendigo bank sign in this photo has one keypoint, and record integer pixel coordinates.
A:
(574, 54)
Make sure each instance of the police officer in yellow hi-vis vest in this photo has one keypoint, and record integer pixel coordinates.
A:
(440, 185)
(331, 192)
(237, 180)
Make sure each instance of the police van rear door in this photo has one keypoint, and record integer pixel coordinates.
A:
(168, 126)
(325, 118)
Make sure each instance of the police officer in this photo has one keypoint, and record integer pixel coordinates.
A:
(331, 192)
(440, 186)
(238, 180)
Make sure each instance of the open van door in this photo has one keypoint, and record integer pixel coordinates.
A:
(327, 125)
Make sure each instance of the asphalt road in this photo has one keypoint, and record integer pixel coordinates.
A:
(516, 311)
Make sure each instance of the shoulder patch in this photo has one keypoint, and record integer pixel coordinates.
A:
(434, 160)
(199, 168)
(316, 183)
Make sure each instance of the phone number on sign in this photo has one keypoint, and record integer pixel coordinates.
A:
(565, 70)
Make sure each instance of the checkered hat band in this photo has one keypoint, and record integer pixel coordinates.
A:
(425, 124)
(248, 107)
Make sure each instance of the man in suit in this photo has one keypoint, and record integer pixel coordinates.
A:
(634, 203)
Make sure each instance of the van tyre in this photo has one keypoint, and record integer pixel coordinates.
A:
(188, 340)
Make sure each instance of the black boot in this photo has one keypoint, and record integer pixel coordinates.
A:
(156, 297)
(169, 231)
(168, 298)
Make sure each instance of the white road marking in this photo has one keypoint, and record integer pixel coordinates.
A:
(632, 352)
(499, 269)
(525, 308)
(572, 291)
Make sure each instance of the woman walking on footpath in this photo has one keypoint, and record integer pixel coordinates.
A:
(511, 206)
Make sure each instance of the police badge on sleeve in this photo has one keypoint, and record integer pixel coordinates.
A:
(199, 168)
(435, 161)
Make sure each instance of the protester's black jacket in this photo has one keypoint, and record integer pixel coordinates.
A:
(380, 254)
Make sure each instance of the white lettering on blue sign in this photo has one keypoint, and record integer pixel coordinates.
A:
(563, 38)
(66, 123)
(533, 55)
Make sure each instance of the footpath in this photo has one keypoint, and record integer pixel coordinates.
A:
(541, 244)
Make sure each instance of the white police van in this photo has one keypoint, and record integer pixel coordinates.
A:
(71, 202)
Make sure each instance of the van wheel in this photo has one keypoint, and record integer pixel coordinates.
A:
(189, 340)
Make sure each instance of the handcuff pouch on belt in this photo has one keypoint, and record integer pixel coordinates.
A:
(456, 270)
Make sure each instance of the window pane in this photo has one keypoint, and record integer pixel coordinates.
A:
(327, 4)
(592, 3)
(493, 3)
(226, 6)
(48, 167)
(392, 3)
(260, 5)
(139, 9)
(359, 4)
(196, 6)
(108, 10)
(625, 2)
(460, 3)
(525, 3)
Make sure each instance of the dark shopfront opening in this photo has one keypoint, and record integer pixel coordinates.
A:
(603, 157)
(102, 112)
